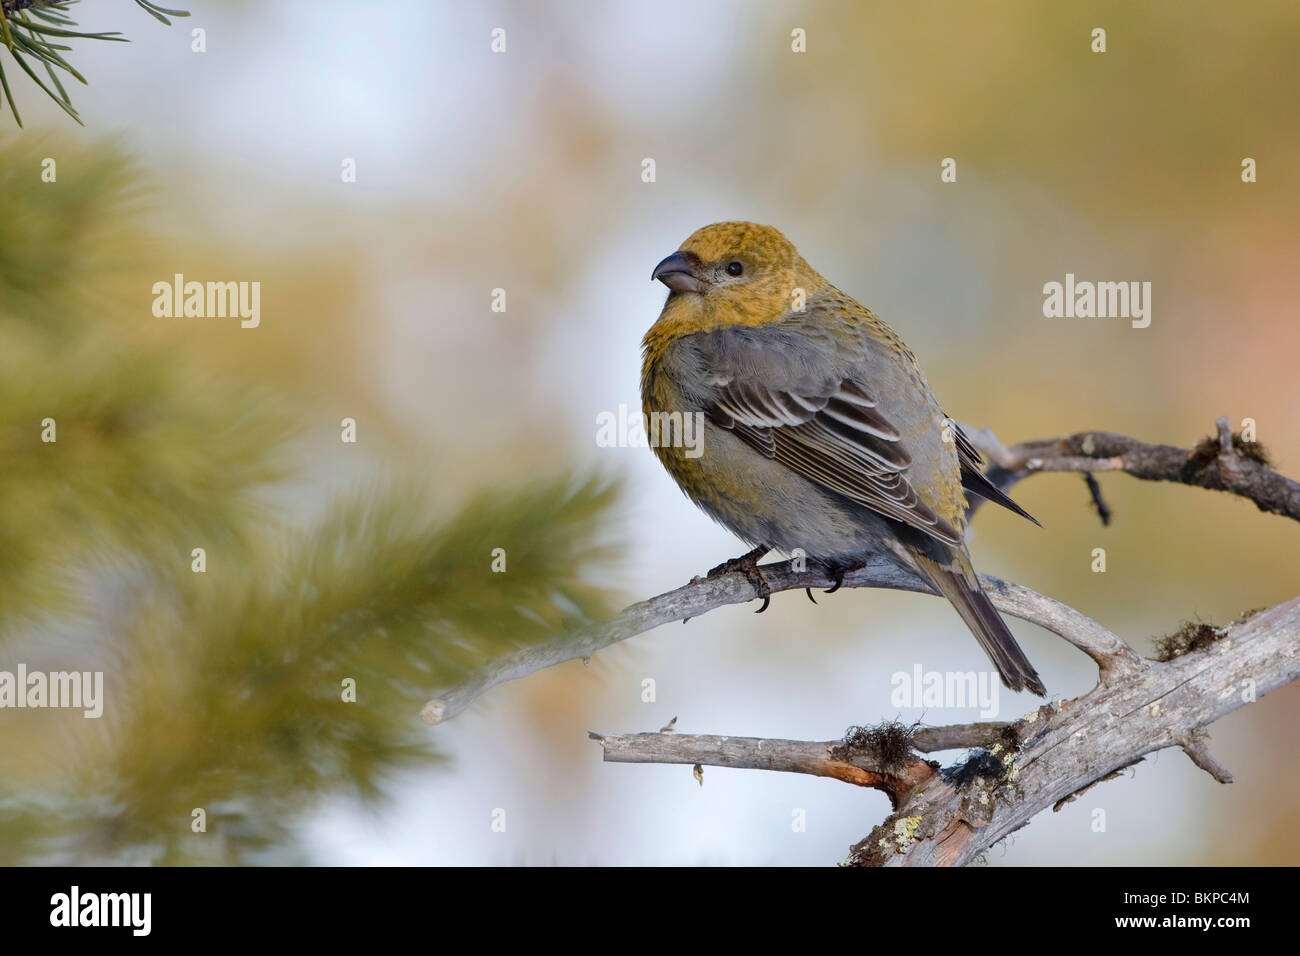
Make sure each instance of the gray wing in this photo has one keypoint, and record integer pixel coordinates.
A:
(802, 398)
(976, 482)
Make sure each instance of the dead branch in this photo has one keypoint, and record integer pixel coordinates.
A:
(1223, 463)
(752, 753)
(949, 817)
(864, 764)
(702, 595)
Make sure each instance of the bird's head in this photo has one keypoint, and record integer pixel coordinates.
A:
(736, 272)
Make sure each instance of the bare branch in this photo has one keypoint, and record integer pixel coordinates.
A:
(1046, 759)
(1223, 463)
(827, 758)
(958, 736)
(704, 594)
(1195, 748)
(1069, 746)
(754, 753)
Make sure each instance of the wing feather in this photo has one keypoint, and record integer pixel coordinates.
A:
(976, 482)
(837, 438)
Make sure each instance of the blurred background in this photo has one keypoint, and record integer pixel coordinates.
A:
(476, 429)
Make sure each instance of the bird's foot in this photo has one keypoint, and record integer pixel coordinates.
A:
(747, 564)
(743, 563)
(836, 571)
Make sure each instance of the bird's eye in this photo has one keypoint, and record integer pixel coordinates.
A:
(734, 268)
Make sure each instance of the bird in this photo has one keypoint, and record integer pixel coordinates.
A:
(819, 430)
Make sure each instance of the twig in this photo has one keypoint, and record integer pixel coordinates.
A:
(753, 753)
(1222, 463)
(826, 758)
(1094, 489)
(1196, 749)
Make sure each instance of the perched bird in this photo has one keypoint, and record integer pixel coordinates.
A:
(820, 432)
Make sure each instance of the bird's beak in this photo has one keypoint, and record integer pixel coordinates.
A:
(677, 273)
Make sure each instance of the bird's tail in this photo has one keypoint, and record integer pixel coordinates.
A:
(962, 589)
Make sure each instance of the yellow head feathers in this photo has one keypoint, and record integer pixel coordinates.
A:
(731, 273)
(745, 240)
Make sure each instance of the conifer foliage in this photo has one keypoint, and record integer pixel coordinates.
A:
(36, 34)
(294, 667)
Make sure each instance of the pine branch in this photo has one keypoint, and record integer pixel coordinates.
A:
(223, 683)
(31, 30)
(230, 693)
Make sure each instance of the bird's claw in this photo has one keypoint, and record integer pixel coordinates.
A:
(759, 584)
(837, 572)
(747, 564)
